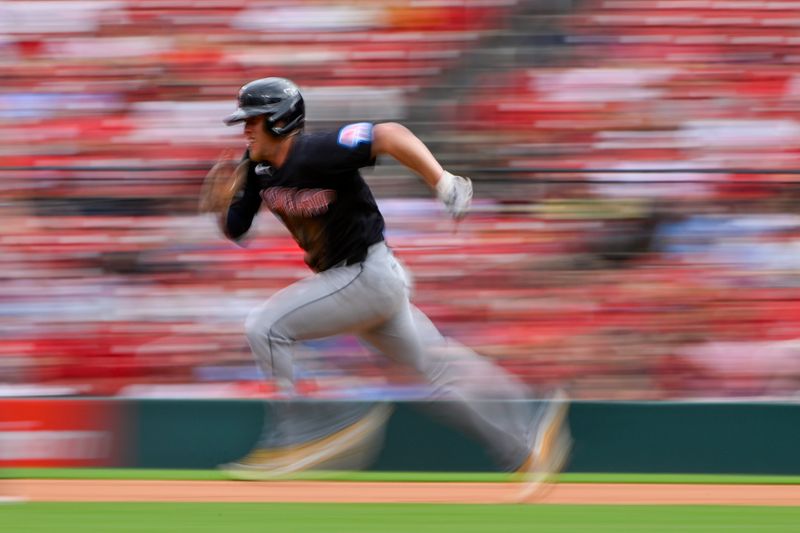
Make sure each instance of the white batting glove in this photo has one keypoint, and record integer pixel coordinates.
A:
(455, 192)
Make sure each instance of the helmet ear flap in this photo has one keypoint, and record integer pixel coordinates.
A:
(292, 112)
(294, 124)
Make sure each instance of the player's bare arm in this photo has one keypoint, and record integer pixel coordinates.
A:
(399, 142)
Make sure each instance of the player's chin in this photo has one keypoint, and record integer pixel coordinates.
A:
(257, 158)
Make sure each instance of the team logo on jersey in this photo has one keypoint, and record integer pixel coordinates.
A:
(298, 202)
(354, 134)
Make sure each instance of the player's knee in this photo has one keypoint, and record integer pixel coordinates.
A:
(262, 324)
(255, 326)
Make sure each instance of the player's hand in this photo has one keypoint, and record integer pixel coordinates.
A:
(222, 182)
(455, 192)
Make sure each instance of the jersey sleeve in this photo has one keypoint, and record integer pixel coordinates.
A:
(348, 148)
(244, 207)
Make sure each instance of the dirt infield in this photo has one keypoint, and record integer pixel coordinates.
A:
(400, 492)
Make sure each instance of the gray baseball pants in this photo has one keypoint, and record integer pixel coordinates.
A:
(371, 300)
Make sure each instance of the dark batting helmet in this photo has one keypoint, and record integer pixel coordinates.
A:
(278, 99)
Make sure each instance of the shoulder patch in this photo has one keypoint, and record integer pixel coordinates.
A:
(354, 134)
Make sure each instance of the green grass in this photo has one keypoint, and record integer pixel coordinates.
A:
(126, 473)
(378, 518)
(389, 518)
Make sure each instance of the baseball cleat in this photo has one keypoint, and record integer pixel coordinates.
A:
(550, 451)
(351, 448)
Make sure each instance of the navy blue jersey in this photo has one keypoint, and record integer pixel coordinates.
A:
(319, 194)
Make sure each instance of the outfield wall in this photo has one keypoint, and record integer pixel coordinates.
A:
(652, 437)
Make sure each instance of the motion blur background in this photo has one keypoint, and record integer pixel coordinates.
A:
(635, 235)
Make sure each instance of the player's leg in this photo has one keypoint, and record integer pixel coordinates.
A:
(454, 367)
(336, 301)
(495, 419)
(457, 366)
(340, 300)
(470, 392)
(477, 379)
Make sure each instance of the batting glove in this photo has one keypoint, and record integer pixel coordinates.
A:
(455, 192)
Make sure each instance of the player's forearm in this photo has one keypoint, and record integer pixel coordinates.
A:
(400, 143)
(397, 141)
(232, 225)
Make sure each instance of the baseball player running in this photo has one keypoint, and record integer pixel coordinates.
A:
(312, 183)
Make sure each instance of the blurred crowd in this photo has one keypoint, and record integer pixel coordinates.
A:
(635, 235)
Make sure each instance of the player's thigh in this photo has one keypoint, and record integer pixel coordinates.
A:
(427, 331)
(398, 338)
(339, 300)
